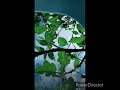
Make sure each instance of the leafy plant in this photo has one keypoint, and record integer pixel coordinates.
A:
(49, 26)
(62, 41)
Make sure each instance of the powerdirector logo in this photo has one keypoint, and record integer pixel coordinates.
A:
(83, 85)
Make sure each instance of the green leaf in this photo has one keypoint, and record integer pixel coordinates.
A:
(54, 15)
(46, 16)
(37, 19)
(61, 54)
(53, 28)
(47, 68)
(70, 23)
(76, 62)
(40, 29)
(54, 18)
(80, 28)
(70, 28)
(73, 56)
(43, 42)
(75, 32)
(45, 64)
(39, 48)
(51, 55)
(48, 74)
(77, 58)
(49, 46)
(62, 41)
(77, 39)
(64, 60)
(56, 23)
(72, 84)
(53, 67)
(49, 36)
(62, 69)
(70, 80)
(61, 16)
(39, 70)
(81, 44)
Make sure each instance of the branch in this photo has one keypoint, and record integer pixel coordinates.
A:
(76, 66)
(56, 46)
(81, 62)
(59, 49)
(83, 76)
(60, 30)
(74, 46)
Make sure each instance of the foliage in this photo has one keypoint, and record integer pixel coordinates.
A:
(48, 26)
